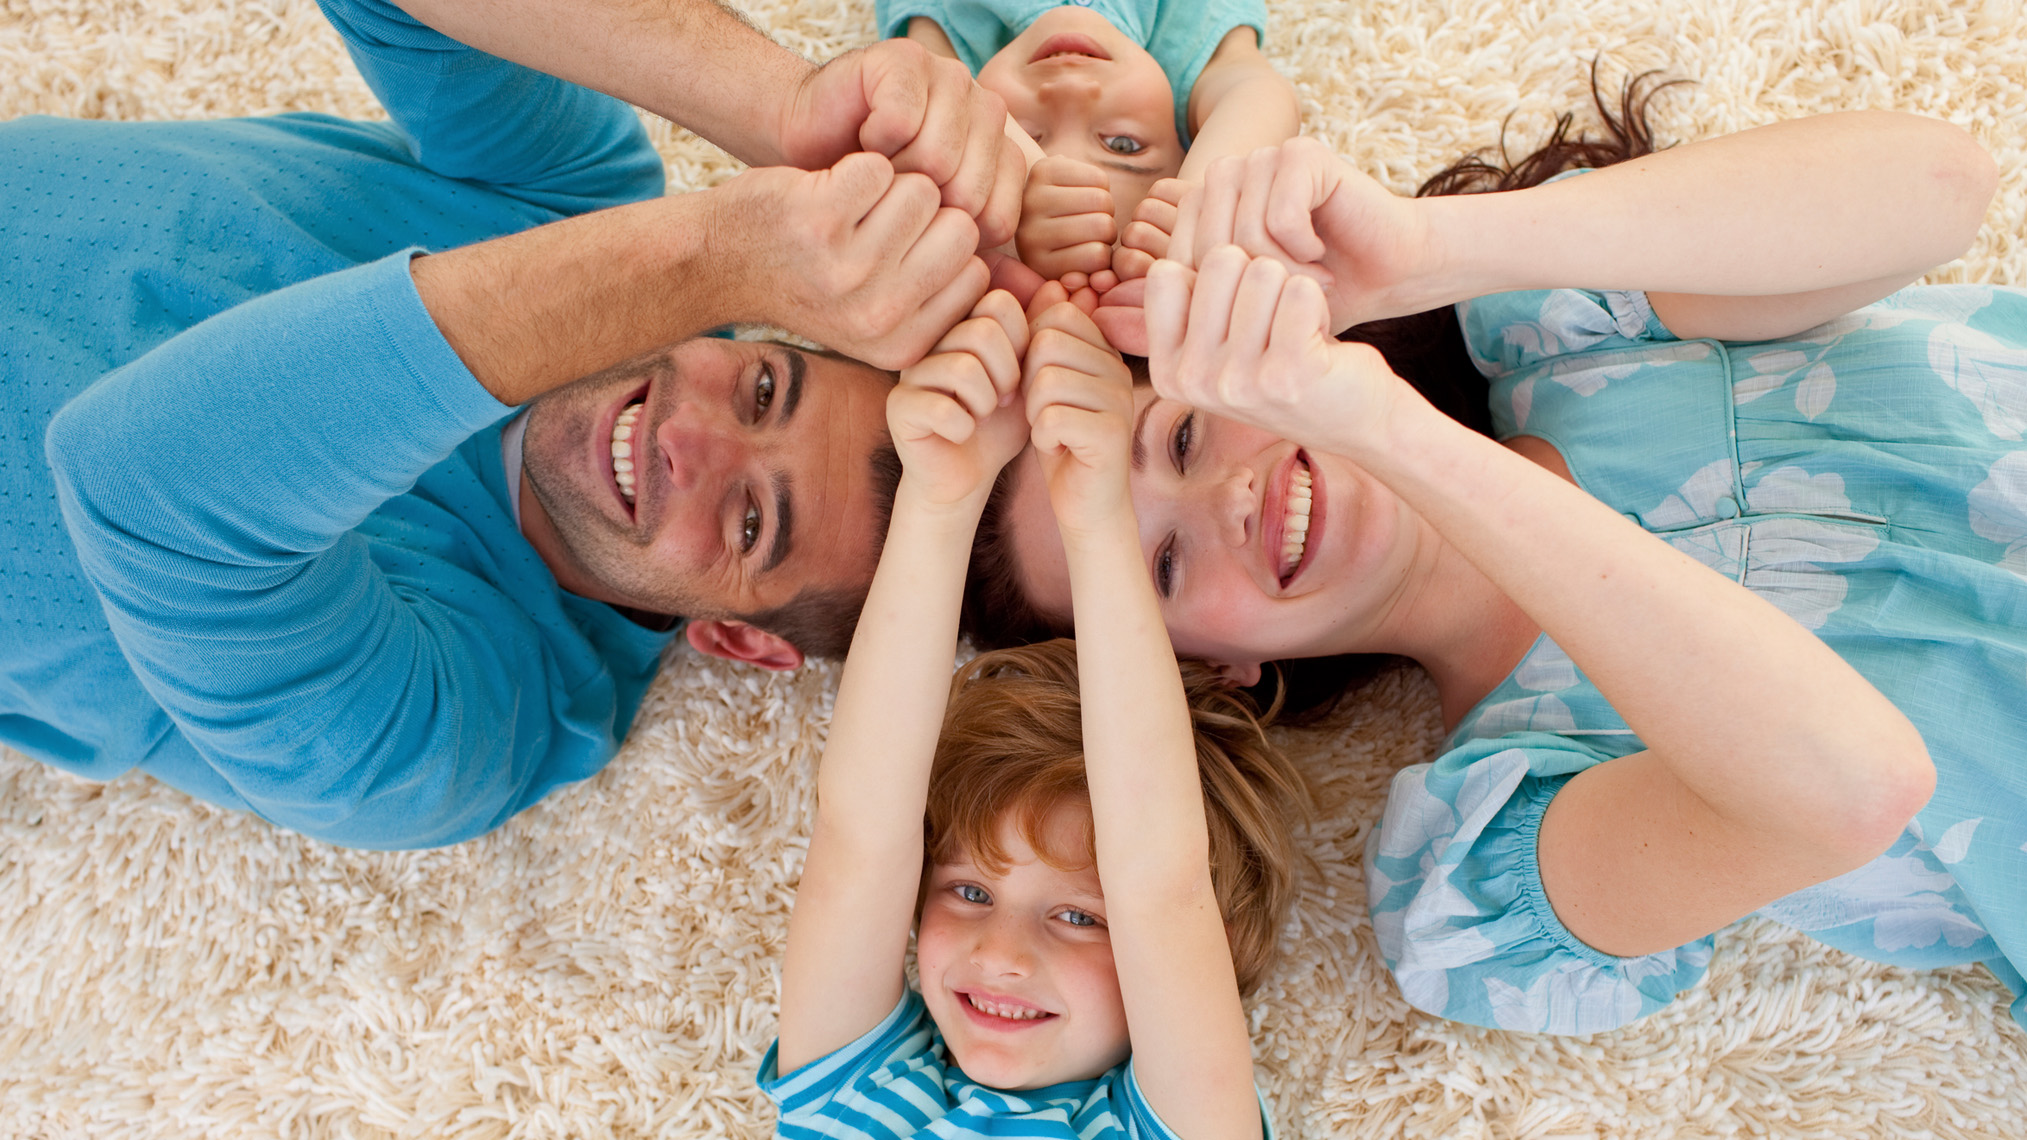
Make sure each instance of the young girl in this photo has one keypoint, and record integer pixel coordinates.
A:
(1090, 878)
(1734, 620)
(1109, 98)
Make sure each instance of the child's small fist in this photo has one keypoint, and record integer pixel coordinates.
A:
(1066, 218)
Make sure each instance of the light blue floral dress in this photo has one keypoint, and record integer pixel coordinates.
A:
(1868, 478)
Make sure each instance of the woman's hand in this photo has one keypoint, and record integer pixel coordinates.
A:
(1244, 337)
(1066, 221)
(953, 416)
(1310, 210)
(1079, 399)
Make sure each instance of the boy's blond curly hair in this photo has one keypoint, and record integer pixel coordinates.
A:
(1013, 743)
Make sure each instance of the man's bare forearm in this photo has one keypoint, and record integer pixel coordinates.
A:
(694, 62)
(535, 310)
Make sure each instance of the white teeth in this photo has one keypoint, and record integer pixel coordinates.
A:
(995, 1009)
(622, 450)
(1295, 525)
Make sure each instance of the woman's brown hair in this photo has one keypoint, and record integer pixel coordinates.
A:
(1012, 747)
(1425, 349)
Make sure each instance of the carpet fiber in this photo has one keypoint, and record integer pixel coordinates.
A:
(605, 965)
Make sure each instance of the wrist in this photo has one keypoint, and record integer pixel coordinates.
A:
(918, 499)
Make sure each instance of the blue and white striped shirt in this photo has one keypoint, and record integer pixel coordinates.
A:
(897, 1081)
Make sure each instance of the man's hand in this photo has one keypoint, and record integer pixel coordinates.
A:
(924, 113)
(1066, 219)
(1308, 209)
(1244, 338)
(858, 258)
(1079, 399)
(954, 416)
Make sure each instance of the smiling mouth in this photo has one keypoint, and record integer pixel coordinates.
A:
(1295, 523)
(622, 449)
(1004, 1011)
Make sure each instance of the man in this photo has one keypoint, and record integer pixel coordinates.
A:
(266, 534)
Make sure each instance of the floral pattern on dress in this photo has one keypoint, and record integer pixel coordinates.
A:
(1868, 477)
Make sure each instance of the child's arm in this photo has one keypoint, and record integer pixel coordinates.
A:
(1239, 104)
(1192, 1054)
(848, 936)
(1748, 236)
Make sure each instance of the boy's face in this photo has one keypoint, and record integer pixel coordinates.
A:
(1017, 969)
(1081, 88)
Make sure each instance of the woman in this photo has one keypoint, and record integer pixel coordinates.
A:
(1643, 751)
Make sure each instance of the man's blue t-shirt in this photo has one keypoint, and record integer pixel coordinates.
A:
(252, 507)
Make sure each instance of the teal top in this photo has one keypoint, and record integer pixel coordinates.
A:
(1868, 478)
(254, 532)
(1181, 35)
(896, 1081)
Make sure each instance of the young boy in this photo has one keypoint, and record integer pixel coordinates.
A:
(1111, 97)
(1101, 840)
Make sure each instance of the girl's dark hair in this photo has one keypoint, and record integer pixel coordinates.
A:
(1426, 349)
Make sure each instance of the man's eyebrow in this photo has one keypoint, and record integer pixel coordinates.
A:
(784, 522)
(798, 368)
(1128, 167)
(1139, 443)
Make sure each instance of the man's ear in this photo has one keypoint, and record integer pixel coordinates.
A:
(737, 641)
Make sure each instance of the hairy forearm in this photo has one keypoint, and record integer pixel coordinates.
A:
(533, 311)
(694, 62)
(1769, 211)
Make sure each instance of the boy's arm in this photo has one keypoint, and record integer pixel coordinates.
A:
(848, 936)
(1192, 1054)
(1239, 104)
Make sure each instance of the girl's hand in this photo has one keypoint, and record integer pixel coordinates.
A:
(1146, 238)
(1311, 211)
(1119, 314)
(954, 416)
(1244, 337)
(1079, 399)
(1066, 221)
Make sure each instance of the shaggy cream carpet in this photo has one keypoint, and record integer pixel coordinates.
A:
(605, 965)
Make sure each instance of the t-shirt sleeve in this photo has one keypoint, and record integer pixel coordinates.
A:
(474, 116)
(212, 488)
(886, 1083)
(1186, 33)
(1457, 902)
(976, 29)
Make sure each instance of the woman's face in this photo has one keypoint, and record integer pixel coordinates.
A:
(1250, 564)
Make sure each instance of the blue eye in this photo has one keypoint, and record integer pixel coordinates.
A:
(1078, 918)
(972, 894)
(1122, 144)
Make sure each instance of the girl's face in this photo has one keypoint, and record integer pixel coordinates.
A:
(1016, 967)
(1259, 549)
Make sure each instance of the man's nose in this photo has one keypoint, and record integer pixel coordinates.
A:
(695, 448)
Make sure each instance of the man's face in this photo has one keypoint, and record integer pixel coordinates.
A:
(749, 478)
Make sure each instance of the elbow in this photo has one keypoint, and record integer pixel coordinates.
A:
(1886, 797)
(1961, 178)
